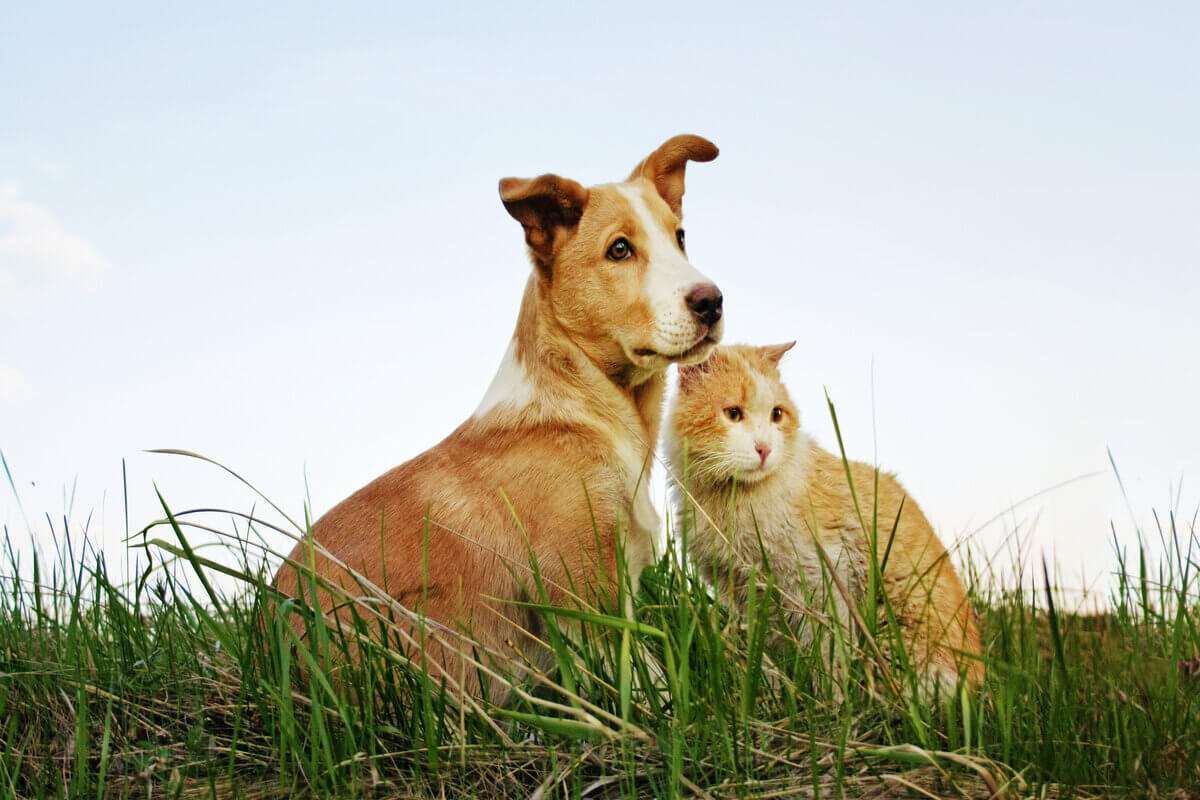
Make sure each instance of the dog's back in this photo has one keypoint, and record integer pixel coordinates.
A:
(438, 536)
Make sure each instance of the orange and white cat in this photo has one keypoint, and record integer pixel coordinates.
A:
(763, 487)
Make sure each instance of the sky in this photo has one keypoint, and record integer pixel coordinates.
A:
(272, 235)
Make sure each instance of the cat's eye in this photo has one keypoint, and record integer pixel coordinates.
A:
(679, 238)
(776, 414)
(734, 413)
(619, 250)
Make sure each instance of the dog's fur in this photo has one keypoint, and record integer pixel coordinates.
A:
(555, 462)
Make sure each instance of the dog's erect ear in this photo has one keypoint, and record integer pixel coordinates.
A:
(544, 206)
(774, 352)
(664, 167)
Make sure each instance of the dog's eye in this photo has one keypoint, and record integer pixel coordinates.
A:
(679, 238)
(776, 414)
(620, 250)
(734, 413)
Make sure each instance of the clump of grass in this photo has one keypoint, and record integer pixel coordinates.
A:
(174, 684)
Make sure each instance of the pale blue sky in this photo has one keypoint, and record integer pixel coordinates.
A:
(272, 235)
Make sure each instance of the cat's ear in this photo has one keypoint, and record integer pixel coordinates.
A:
(690, 373)
(774, 352)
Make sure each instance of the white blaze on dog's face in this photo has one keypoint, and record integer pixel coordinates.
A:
(613, 264)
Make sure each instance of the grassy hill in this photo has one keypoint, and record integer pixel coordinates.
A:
(172, 687)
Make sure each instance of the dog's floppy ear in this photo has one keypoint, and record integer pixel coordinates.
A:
(544, 206)
(664, 167)
(774, 352)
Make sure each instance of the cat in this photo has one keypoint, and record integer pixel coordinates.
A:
(750, 483)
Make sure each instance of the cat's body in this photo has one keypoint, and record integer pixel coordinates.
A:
(755, 485)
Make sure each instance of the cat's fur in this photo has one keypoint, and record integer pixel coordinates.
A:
(763, 487)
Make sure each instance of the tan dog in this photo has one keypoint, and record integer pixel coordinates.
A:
(555, 461)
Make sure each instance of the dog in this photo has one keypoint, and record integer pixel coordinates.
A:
(552, 469)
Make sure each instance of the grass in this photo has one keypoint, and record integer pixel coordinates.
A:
(175, 685)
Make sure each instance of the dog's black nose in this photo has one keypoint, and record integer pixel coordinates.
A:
(704, 302)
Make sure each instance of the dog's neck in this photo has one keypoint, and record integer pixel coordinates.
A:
(548, 377)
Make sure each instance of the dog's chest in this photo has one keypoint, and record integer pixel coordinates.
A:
(640, 521)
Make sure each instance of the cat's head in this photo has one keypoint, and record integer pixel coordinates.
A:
(732, 418)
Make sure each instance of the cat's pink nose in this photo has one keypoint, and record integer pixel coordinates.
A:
(763, 451)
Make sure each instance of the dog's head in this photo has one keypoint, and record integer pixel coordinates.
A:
(611, 261)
